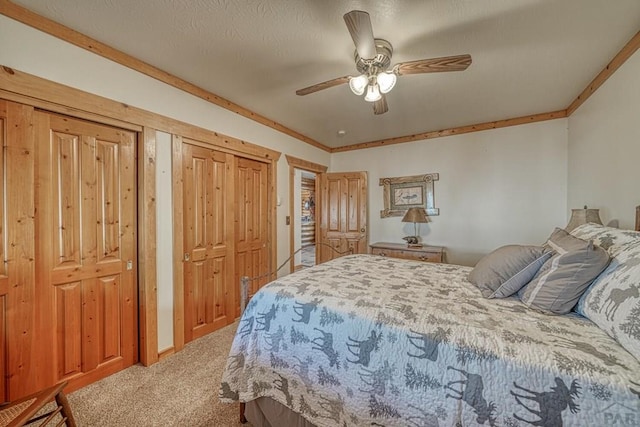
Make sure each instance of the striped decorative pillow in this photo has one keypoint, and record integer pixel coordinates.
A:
(560, 282)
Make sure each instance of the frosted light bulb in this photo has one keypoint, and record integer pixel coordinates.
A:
(373, 93)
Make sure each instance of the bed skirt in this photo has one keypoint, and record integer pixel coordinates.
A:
(266, 412)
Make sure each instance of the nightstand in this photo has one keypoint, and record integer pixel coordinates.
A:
(401, 250)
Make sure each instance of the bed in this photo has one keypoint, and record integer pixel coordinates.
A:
(365, 340)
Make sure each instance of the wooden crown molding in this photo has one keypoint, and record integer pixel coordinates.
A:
(305, 164)
(455, 131)
(62, 32)
(621, 57)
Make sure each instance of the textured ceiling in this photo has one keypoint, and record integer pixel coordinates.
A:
(529, 56)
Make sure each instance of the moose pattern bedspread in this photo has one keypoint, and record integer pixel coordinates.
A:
(372, 341)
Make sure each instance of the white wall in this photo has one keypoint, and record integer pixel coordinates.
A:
(164, 243)
(604, 148)
(496, 187)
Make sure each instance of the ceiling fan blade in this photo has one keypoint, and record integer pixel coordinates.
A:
(359, 26)
(380, 106)
(323, 85)
(434, 65)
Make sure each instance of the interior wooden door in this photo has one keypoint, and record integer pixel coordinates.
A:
(343, 214)
(252, 233)
(86, 269)
(208, 243)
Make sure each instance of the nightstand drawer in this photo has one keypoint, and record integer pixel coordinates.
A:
(398, 250)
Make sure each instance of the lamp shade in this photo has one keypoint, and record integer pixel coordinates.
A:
(415, 215)
(583, 216)
(386, 81)
(358, 84)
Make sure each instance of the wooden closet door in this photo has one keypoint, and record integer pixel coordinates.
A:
(343, 214)
(86, 268)
(252, 255)
(208, 228)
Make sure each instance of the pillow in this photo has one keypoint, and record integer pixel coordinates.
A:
(610, 239)
(557, 286)
(507, 269)
(613, 300)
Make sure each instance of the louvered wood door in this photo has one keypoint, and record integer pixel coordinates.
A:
(252, 255)
(343, 214)
(208, 225)
(85, 248)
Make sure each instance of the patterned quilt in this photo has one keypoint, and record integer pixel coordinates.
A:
(374, 341)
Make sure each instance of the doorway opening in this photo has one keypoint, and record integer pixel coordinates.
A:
(304, 219)
(310, 204)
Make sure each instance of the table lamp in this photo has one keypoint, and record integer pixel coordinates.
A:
(583, 216)
(416, 216)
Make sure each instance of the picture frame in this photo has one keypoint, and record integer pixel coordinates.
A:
(401, 193)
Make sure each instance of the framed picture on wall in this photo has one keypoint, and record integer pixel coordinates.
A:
(402, 193)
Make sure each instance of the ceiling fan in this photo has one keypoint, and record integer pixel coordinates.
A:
(373, 58)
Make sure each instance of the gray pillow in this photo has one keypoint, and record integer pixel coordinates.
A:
(507, 269)
(557, 286)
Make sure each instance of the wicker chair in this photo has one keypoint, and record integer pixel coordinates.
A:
(22, 412)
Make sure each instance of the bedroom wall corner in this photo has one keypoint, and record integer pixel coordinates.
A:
(496, 187)
(604, 148)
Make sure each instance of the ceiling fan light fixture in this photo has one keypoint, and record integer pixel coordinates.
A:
(373, 93)
(386, 81)
(358, 84)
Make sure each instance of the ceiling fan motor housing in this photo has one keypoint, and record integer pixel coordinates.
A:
(377, 64)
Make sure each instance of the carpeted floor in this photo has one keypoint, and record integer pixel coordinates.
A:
(182, 390)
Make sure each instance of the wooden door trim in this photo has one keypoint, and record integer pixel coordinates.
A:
(296, 163)
(147, 257)
(4, 280)
(20, 220)
(68, 111)
(272, 224)
(178, 243)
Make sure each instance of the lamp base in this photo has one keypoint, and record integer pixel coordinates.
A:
(412, 241)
